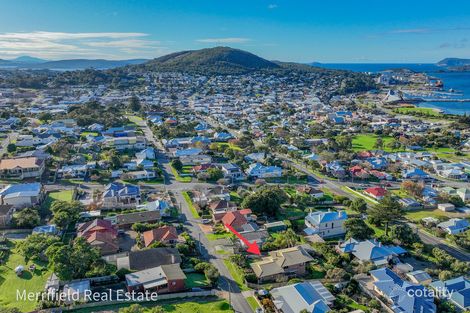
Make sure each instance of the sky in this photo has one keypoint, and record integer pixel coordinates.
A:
(328, 31)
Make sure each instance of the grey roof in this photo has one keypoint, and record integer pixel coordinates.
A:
(274, 263)
(144, 259)
(311, 295)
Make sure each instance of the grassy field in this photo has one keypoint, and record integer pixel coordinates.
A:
(237, 275)
(228, 145)
(417, 215)
(367, 141)
(413, 110)
(360, 195)
(181, 179)
(188, 200)
(217, 306)
(253, 303)
(29, 282)
(64, 195)
(194, 280)
(213, 237)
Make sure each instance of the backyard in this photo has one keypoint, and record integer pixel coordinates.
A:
(196, 280)
(10, 283)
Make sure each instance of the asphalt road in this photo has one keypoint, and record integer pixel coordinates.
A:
(206, 247)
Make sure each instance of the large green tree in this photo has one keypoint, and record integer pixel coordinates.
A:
(65, 213)
(34, 246)
(358, 229)
(385, 212)
(267, 200)
(27, 217)
(404, 234)
(358, 205)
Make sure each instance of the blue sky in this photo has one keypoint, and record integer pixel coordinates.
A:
(294, 30)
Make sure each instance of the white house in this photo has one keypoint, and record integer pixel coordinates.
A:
(326, 224)
(454, 226)
(22, 195)
(258, 170)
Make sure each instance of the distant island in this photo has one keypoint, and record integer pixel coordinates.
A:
(27, 62)
(455, 64)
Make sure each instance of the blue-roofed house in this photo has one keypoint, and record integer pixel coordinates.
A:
(258, 170)
(456, 290)
(186, 152)
(201, 127)
(158, 205)
(403, 297)
(200, 139)
(311, 296)
(371, 251)
(22, 195)
(121, 195)
(326, 224)
(46, 229)
(222, 136)
(415, 173)
(454, 226)
(378, 163)
(148, 153)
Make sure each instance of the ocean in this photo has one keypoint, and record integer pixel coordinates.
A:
(459, 81)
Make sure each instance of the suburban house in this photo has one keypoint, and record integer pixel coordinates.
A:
(454, 226)
(311, 296)
(456, 290)
(125, 221)
(419, 277)
(121, 195)
(282, 264)
(22, 168)
(164, 234)
(140, 260)
(415, 174)
(220, 207)
(326, 224)
(370, 251)
(161, 206)
(160, 279)
(464, 194)
(22, 195)
(390, 286)
(127, 143)
(252, 233)
(316, 193)
(235, 219)
(232, 171)
(376, 192)
(446, 207)
(258, 170)
(100, 234)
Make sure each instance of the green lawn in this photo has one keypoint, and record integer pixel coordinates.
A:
(213, 237)
(417, 215)
(64, 195)
(188, 200)
(229, 145)
(182, 179)
(426, 111)
(217, 306)
(29, 282)
(253, 303)
(360, 195)
(237, 275)
(196, 280)
(135, 119)
(367, 141)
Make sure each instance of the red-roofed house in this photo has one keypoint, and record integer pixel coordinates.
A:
(202, 168)
(165, 234)
(235, 219)
(376, 192)
(100, 234)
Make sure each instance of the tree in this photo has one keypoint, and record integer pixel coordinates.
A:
(45, 116)
(356, 228)
(215, 173)
(76, 260)
(386, 211)
(404, 234)
(267, 200)
(134, 104)
(11, 147)
(379, 143)
(358, 205)
(27, 217)
(65, 213)
(177, 164)
(394, 144)
(134, 308)
(34, 246)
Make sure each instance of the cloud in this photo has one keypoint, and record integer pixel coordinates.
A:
(224, 40)
(272, 6)
(84, 44)
(427, 30)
